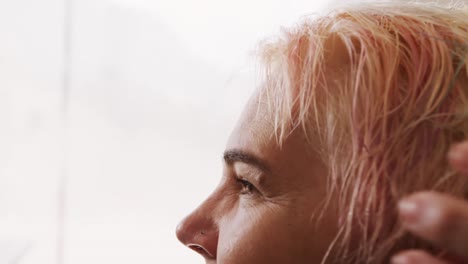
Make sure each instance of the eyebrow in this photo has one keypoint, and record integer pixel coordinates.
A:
(236, 155)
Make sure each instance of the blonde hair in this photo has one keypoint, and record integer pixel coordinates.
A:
(383, 88)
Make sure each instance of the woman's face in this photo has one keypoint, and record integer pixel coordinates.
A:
(266, 205)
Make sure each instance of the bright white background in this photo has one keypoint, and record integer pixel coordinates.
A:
(99, 166)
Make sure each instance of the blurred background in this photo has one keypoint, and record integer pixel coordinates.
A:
(113, 118)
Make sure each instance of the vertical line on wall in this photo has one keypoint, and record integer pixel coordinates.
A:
(65, 100)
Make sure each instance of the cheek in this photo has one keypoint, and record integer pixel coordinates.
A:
(260, 235)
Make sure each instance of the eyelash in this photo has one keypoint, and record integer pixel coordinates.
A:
(246, 186)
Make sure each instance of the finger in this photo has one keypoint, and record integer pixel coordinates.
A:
(439, 218)
(458, 157)
(416, 257)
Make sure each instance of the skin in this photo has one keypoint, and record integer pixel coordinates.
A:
(438, 218)
(270, 215)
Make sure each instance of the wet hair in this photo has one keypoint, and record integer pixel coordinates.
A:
(381, 89)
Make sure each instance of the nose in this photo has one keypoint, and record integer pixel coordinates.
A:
(199, 232)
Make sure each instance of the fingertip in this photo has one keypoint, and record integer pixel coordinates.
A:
(458, 156)
(409, 210)
(415, 256)
(401, 259)
(438, 218)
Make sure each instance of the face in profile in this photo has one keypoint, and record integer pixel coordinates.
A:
(266, 206)
(369, 86)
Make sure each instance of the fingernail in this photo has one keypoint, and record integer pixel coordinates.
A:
(400, 259)
(410, 211)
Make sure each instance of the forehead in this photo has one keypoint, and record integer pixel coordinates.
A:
(294, 164)
(255, 127)
(255, 133)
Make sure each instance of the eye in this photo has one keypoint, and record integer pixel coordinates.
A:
(245, 186)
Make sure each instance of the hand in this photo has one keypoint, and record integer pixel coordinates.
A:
(438, 218)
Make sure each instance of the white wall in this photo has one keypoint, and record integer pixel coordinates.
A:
(156, 87)
(30, 127)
